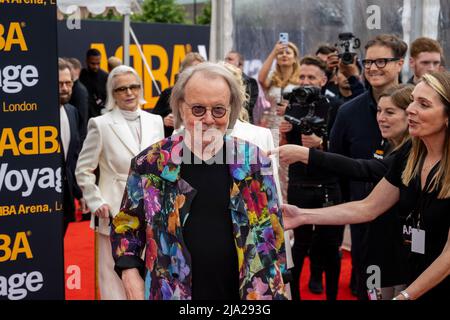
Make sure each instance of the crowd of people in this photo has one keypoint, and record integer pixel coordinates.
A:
(193, 200)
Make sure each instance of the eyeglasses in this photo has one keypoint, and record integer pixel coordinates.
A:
(133, 87)
(65, 83)
(199, 110)
(380, 63)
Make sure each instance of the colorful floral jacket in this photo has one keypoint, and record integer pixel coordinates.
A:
(156, 205)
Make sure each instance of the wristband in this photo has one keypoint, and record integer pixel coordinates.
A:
(405, 295)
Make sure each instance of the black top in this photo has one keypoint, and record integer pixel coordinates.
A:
(356, 134)
(368, 170)
(298, 172)
(384, 236)
(80, 100)
(95, 83)
(415, 205)
(208, 232)
(163, 109)
(252, 91)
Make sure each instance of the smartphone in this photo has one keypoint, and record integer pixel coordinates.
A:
(284, 37)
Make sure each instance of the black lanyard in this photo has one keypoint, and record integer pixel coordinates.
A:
(423, 202)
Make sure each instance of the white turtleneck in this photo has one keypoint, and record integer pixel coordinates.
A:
(133, 119)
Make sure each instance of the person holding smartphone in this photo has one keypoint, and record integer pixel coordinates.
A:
(283, 79)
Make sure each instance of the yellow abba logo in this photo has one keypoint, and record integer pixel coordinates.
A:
(12, 35)
(11, 248)
(158, 61)
(29, 141)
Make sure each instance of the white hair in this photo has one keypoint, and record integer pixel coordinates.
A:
(110, 102)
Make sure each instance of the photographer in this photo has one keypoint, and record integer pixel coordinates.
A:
(330, 55)
(311, 188)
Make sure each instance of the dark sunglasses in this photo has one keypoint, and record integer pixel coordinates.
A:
(199, 111)
(133, 87)
(380, 63)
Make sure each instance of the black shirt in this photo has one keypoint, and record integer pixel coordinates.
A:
(434, 217)
(163, 109)
(298, 172)
(356, 134)
(208, 232)
(95, 83)
(384, 241)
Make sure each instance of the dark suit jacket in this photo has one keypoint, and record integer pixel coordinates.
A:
(71, 189)
(252, 90)
(95, 83)
(80, 100)
(163, 109)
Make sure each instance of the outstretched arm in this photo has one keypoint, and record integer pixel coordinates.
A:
(370, 170)
(383, 197)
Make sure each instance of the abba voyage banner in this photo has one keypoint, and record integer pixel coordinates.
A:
(31, 240)
(163, 45)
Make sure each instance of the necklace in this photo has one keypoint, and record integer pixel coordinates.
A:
(429, 166)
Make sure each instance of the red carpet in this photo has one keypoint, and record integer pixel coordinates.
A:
(344, 292)
(79, 251)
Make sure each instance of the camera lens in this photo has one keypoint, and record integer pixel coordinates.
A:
(347, 58)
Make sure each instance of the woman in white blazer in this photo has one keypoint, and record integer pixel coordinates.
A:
(113, 139)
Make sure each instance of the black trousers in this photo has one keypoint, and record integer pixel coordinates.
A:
(321, 243)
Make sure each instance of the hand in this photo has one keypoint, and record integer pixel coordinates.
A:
(292, 217)
(103, 211)
(169, 121)
(279, 48)
(83, 206)
(133, 284)
(285, 126)
(311, 141)
(349, 70)
(332, 61)
(281, 107)
(290, 153)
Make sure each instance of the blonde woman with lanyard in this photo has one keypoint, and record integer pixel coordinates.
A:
(113, 139)
(419, 180)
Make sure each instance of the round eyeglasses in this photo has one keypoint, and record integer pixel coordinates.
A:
(199, 110)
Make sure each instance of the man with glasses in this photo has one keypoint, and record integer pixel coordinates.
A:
(356, 134)
(70, 141)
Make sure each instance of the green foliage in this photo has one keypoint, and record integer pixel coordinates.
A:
(162, 11)
(110, 16)
(205, 17)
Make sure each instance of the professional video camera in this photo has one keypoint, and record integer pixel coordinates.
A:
(307, 97)
(304, 97)
(309, 125)
(349, 42)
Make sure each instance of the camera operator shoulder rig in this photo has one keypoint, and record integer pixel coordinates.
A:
(308, 97)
